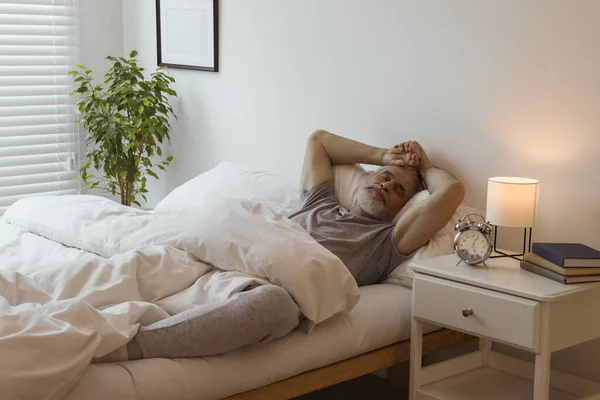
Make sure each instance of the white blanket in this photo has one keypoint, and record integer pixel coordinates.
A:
(79, 274)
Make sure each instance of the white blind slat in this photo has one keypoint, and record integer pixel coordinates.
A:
(37, 169)
(34, 90)
(33, 30)
(47, 20)
(37, 129)
(13, 182)
(43, 2)
(34, 120)
(36, 70)
(30, 10)
(38, 137)
(34, 159)
(21, 50)
(23, 61)
(33, 140)
(24, 101)
(18, 151)
(35, 110)
(56, 80)
(37, 40)
(64, 187)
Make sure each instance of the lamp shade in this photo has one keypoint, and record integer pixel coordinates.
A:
(512, 201)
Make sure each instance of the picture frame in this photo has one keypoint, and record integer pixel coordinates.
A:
(187, 34)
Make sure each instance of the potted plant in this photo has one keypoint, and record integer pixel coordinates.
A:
(127, 120)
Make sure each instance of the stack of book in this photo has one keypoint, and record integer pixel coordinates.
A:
(564, 262)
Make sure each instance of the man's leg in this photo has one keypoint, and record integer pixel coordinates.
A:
(261, 314)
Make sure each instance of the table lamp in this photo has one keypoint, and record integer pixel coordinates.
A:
(512, 202)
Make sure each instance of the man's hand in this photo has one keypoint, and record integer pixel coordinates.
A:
(399, 158)
(418, 157)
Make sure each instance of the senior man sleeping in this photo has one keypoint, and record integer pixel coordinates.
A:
(363, 237)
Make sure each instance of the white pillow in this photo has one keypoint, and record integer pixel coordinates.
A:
(232, 181)
(348, 179)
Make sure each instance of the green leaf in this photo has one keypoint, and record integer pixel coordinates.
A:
(159, 151)
(152, 174)
(133, 54)
(170, 158)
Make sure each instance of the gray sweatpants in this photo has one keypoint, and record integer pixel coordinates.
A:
(258, 315)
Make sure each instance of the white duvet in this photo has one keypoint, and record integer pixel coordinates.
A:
(79, 274)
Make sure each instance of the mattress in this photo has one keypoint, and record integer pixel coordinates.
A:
(381, 317)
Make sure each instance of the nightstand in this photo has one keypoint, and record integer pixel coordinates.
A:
(500, 303)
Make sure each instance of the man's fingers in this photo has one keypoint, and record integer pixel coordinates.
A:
(414, 160)
(415, 147)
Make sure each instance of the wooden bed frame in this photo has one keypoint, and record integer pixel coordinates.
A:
(351, 368)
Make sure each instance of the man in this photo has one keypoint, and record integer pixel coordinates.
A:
(364, 237)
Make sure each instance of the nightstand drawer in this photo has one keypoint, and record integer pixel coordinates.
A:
(499, 316)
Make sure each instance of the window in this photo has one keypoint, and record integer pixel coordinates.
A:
(39, 141)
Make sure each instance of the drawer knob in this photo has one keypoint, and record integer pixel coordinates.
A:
(467, 312)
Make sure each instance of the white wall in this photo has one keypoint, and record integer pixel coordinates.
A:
(495, 87)
(100, 33)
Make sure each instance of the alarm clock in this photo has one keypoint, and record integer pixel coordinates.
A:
(472, 243)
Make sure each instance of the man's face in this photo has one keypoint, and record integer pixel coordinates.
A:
(386, 192)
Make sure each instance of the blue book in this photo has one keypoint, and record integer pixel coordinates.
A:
(568, 255)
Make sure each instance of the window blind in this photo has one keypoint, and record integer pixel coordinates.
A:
(39, 141)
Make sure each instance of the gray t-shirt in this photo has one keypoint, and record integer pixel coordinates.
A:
(366, 246)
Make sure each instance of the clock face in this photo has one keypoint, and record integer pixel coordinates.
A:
(472, 246)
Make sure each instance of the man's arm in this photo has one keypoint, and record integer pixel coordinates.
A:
(417, 226)
(325, 149)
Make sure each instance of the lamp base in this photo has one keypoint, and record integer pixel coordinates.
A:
(517, 256)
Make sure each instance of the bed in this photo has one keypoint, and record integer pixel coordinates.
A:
(87, 272)
(371, 336)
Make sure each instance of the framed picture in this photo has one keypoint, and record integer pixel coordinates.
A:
(187, 34)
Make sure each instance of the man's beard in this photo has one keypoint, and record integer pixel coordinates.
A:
(364, 199)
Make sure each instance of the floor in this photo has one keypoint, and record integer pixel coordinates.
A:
(369, 387)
